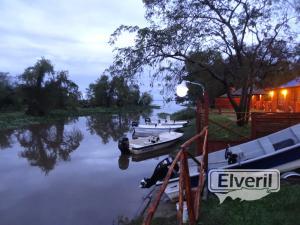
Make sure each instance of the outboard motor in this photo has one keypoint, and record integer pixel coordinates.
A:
(231, 157)
(134, 124)
(123, 145)
(160, 173)
(147, 120)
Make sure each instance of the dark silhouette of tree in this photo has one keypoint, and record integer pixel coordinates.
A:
(254, 39)
(46, 144)
(116, 92)
(33, 85)
(9, 96)
(6, 138)
(45, 90)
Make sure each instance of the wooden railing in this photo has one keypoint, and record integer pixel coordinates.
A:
(193, 200)
(266, 123)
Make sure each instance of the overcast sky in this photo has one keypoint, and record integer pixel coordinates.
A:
(73, 34)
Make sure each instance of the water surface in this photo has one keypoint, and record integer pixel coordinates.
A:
(71, 172)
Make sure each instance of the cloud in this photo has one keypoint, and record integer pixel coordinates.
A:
(73, 34)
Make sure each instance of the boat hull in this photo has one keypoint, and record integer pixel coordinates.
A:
(284, 160)
(145, 145)
(152, 148)
(143, 132)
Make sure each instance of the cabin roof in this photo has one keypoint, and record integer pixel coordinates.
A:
(238, 92)
(292, 83)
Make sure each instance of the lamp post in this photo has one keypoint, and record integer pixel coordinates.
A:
(202, 111)
(202, 103)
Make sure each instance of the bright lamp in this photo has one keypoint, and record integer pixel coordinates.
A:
(182, 90)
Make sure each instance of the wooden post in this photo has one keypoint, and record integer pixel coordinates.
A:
(206, 109)
(188, 191)
(181, 191)
(253, 125)
(152, 209)
(198, 125)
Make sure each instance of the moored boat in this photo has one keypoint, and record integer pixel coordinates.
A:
(149, 144)
(280, 150)
(166, 121)
(155, 128)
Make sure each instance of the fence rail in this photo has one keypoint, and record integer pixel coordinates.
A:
(185, 190)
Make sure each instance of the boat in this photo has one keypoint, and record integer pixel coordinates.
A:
(148, 144)
(155, 129)
(166, 121)
(280, 150)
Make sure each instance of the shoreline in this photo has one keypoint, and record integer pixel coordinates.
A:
(15, 120)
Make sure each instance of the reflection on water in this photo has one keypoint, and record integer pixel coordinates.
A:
(124, 161)
(88, 180)
(108, 126)
(114, 126)
(44, 145)
(6, 139)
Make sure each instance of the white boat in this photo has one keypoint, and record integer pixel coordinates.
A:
(280, 150)
(149, 144)
(167, 121)
(155, 128)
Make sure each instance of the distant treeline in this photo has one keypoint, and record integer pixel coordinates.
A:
(40, 89)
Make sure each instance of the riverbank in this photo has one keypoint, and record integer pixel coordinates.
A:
(276, 208)
(216, 133)
(13, 120)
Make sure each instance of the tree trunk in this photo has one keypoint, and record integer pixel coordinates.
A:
(241, 109)
(243, 113)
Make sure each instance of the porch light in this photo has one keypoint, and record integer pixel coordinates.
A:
(284, 92)
(271, 93)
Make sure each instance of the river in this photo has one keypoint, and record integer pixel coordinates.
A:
(71, 172)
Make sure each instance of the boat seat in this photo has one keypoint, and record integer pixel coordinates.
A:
(239, 152)
(266, 145)
(248, 151)
(284, 144)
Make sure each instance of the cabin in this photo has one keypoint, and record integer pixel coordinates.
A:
(257, 100)
(285, 98)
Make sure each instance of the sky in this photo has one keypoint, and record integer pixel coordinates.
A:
(73, 34)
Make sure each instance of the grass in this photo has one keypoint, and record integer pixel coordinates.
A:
(215, 132)
(281, 208)
(13, 120)
(184, 114)
(218, 133)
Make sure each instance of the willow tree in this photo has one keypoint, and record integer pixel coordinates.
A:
(254, 38)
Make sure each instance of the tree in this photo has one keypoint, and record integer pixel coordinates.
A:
(64, 92)
(9, 96)
(254, 39)
(114, 92)
(45, 90)
(98, 92)
(146, 99)
(33, 86)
